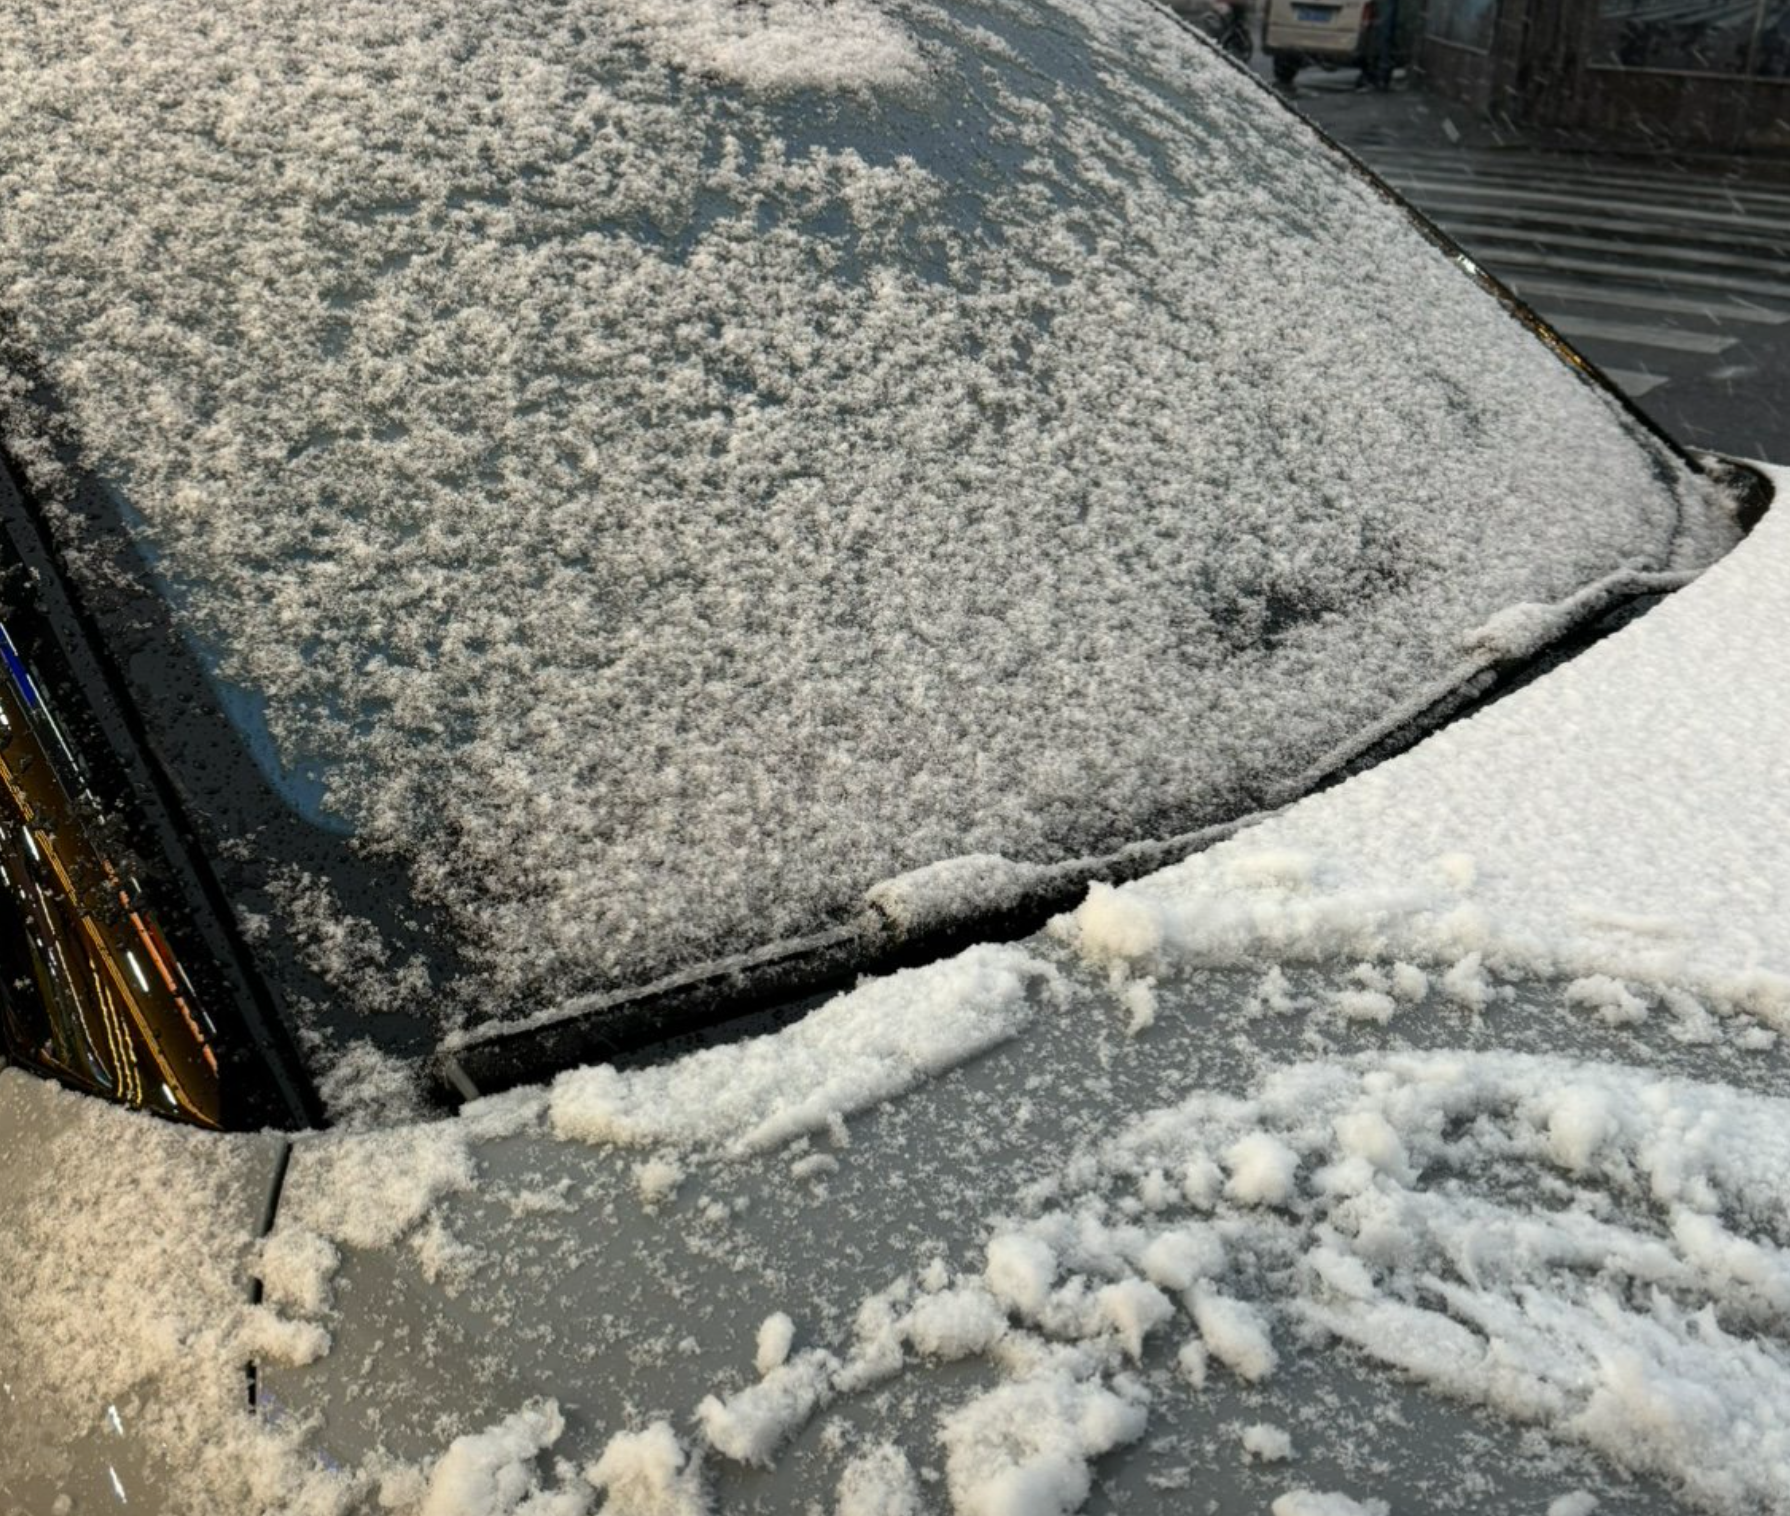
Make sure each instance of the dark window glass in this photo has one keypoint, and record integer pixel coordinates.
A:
(1697, 36)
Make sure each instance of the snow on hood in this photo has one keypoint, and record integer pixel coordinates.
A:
(1626, 818)
(1592, 1248)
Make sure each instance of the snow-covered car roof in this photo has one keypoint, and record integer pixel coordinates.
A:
(661, 489)
(1421, 1149)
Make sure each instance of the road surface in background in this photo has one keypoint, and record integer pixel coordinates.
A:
(1672, 275)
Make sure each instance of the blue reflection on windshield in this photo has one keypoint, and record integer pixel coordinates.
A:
(303, 784)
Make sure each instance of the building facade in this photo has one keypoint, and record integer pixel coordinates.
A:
(1681, 73)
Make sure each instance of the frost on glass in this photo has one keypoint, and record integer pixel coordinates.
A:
(673, 477)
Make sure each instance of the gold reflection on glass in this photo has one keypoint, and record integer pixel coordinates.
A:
(93, 991)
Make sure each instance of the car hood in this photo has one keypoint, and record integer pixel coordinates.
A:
(1421, 1144)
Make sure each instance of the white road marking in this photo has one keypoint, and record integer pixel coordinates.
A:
(1666, 204)
(1551, 190)
(1533, 290)
(1705, 257)
(1640, 336)
(1521, 257)
(1588, 210)
(1502, 169)
(1632, 384)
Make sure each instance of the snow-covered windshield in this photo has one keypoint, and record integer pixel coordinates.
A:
(652, 472)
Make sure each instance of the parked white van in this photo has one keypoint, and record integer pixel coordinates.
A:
(1297, 32)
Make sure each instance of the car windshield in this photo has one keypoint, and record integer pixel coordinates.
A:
(644, 489)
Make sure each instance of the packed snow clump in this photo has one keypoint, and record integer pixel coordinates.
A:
(879, 1482)
(295, 1268)
(1269, 1443)
(751, 1425)
(1236, 1334)
(491, 1473)
(775, 1335)
(861, 1047)
(1025, 1449)
(953, 1324)
(649, 1473)
(1262, 1170)
(1327, 1503)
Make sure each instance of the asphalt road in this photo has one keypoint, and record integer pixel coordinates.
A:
(1672, 274)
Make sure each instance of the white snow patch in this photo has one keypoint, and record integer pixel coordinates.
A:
(1517, 630)
(954, 1323)
(1409, 983)
(776, 1334)
(1277, 868)
(365, 1086)
(1364, 1005)
(1342, 1272)
(1274, 994)
(1370, 1137)
(954, 889)
(1235, 1333)
(491, 1473)
(1268, 1443)
(368, 1189)
(267, 1335)
(1201, 1181)
(751, 1425)
(444, 1258)
(866, 1046)
(1327, 1503)
(1133, 1308)
(1465, 982)
(777, 45)
(1138, 996)
(649, 1474)
(1175, 1259)
(1021, 1270)
(1192, 1361)
(1263, 1170)
(1117, 924)
(1613, 1000)
(879, 1482)
(295, 1268)
(1024, 1448)
(1579, 1120)
(657, 1179)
